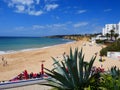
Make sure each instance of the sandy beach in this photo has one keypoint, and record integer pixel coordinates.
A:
(31, 60)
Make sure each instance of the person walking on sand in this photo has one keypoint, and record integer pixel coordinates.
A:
(4, 61)
(64, 54)
(100, 59)
(2, 58)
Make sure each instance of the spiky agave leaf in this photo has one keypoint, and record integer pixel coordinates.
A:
(75, 68)
(115, 71)
(72, 67)
(67, 74)
(62, 70)
(53, 83)
(58, 76)
(84, 69)
(89, 68)
(57, 66)
(77, 76)
(80, 67)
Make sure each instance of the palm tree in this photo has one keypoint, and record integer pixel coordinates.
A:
(107, 35)
(116, 35)
(73, 73)
(112, 33)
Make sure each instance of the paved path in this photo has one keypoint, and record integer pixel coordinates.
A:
(31, 87)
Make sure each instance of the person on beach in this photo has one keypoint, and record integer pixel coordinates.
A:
(64, 53)
(100, 59)
(2, 58)
(4, 61)
(96, 53)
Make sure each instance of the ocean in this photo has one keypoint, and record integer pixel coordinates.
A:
(13, 44)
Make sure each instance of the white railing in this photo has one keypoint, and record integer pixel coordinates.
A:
(19, 83)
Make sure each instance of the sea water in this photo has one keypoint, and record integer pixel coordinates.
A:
(12, 44)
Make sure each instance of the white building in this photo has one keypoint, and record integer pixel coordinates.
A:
(109, 27)
(98, 37)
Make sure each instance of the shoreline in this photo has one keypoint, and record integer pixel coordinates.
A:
(31, 60)
(17, 61)
(31, 49)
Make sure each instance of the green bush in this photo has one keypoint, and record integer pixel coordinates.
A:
(112, 79)
(115, 46)
(100, 41)
(118, 39)
(103, 52)
(73, 73)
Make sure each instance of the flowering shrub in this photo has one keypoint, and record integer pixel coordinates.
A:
(96, 70)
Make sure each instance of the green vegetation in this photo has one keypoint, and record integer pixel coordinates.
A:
(112, 80)
(115, 46)
(98, 41)
(116, 35)
(73, 73)
(112, 34)
(107, 35)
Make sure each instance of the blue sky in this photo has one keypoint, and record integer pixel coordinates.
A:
(56, 17)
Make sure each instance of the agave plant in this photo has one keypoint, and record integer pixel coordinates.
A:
(115, 72)
(115, 78)
(112, 79)
(73, 73)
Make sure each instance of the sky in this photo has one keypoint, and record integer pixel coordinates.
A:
(56, 17)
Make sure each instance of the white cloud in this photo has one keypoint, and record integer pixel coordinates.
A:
(31, 7)
(37, 1)
(107, 10)
(59, 25)
(50, 0)
(56, 26)
(55, 17)
(81, 11)
(60, 28)
(36, 13)
(37, 27)
(50, 7)
(23, 2)
(80, 24)
(20, 28)
(20, 8)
